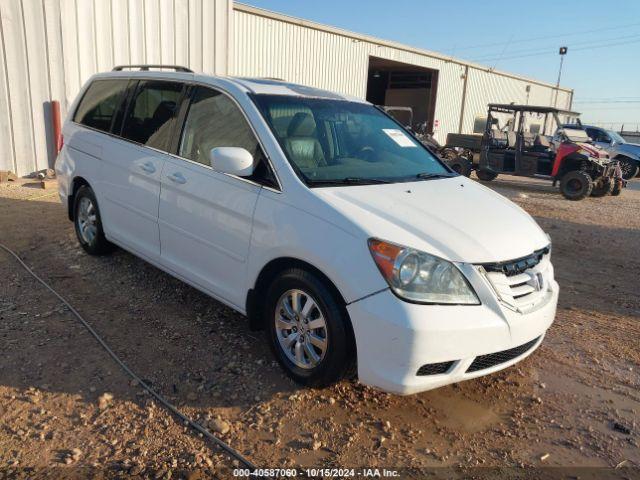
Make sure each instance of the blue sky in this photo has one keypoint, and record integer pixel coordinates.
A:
(499, 33)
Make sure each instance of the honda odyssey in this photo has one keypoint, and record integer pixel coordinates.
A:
(314, 214)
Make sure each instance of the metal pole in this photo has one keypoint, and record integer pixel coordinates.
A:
(563, 52)
(464, 99)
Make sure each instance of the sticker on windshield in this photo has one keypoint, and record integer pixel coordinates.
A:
(399, 137)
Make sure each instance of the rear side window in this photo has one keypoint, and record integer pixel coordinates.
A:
(99, 104)
(152, 113)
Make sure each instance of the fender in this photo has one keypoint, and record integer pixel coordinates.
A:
(565, 149)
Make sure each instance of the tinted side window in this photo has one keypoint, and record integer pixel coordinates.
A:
(152, 113)
(99, 103)
(214, 121)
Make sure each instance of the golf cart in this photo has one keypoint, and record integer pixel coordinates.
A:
(514, 142)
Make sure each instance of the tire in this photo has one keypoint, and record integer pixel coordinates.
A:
(617, 187)
(448, 154)
(576, 185)
(486, 175)
(629, 167)
(330, 341)
(88, 223)
(602, 187)
(460, 165)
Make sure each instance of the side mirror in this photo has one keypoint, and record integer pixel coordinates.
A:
(232, 160)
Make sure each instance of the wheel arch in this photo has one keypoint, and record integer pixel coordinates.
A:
(270, 271)
(625, 156)
(570, 163)
(76, 183)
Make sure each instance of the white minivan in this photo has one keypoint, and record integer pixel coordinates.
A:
(316, 215)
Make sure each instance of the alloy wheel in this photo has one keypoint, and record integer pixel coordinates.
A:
(301, 329)
(87, 220)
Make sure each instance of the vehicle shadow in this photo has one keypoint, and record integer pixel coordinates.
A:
(187, 346)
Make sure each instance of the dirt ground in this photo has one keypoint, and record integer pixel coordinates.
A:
(574, 403)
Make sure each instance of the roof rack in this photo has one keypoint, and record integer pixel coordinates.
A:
(146, 67)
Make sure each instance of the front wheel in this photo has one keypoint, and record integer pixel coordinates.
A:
(618, 183)
(602, 186)
(576, 185)
(629, 167)
(460, 165)
(486, 175)
(308, 331)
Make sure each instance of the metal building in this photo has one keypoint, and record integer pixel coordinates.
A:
(48, 48)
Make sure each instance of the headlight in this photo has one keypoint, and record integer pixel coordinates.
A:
(420, 277)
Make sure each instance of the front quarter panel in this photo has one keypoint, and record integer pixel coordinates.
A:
(626, 150)
(284, 230)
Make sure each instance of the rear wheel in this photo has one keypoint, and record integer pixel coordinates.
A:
(576, 185)
(88, 223)
(602, 186)
(629, 167)
(617, 187)
(460, 165)
(486, 175)
(308, 329)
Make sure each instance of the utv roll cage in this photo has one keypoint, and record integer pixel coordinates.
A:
(517, 112)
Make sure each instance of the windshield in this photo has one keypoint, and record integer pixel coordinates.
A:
(616, 137)
(342, 142)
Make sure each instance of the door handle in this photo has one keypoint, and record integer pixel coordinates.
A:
(177, 178)
(148, 167)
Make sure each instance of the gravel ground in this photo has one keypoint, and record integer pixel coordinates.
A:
(66, 409)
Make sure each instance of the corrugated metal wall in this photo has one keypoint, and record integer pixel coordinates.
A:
(484, 88)
(48, 49)
(267, 47)
(273, 45)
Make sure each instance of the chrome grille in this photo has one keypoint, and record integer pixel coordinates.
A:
(518, 266)
(522, 284)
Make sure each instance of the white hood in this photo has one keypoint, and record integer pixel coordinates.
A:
(456, 218)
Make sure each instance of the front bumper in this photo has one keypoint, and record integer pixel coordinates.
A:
(395, 338)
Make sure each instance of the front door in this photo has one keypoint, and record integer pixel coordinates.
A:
(206, 216)
(130, 172)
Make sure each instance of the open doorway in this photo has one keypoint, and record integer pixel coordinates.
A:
(396, 84)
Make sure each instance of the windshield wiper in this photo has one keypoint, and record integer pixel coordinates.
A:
(349, 181)
(429, 175)
(364, 181)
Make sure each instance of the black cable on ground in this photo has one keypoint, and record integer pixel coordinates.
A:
(196, 426)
